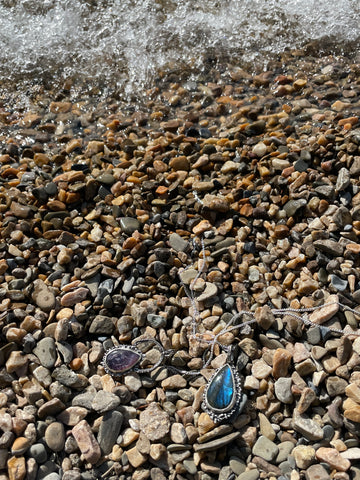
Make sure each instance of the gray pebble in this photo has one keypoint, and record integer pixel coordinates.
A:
(338, 283)
(265, 449)
(45, 350)
(178, 243)
(283, 390)
(109, 430)
(38, 452)
(129, 225)
(307, 427)
(55, 436)
(102, 325)
(249, 475)
(105, 401)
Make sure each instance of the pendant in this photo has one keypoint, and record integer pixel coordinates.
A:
(121, 359)
(222, 394)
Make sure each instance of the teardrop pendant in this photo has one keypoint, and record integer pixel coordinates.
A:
(121, 359)
(222, 394)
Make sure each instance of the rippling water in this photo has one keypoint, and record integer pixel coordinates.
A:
(126, 43)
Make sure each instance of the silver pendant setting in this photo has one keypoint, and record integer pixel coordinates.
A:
(222, 394)
(119, 360)
(125, 358)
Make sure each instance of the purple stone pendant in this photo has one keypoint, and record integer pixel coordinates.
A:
(121, 359)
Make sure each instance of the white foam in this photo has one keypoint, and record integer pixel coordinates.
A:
(127, 42)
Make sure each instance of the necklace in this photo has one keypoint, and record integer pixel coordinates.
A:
(222, 398)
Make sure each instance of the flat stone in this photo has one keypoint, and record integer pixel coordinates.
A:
(72, 415)
(265, 449)
(260, 369)
(353, 413)
(308, 396)
(318, 472)
(329, 247)
(20, 445)
(46, 352)
(136, 459)
(304, 456)
(307, 427)
(43, 296)
(333, 458)
(105, 401)
(217, 443)
(154, 422)
(266, 428)
(102, 325)
(325, 313)
(253, 474)
(55, 436)
(335, 386)
(38, 452)
(343, 179)
(178, 243)
(285, 449)
(178, 433)
(129, 225)
(51, 408)
(175, 382)
(86, 442)
(16, 361)
(283, 390)
(75, 296)
(16, 468)
(281, 362)
(109, 430)
(351, 453)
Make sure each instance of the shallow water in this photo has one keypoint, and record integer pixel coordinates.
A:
(126, 44)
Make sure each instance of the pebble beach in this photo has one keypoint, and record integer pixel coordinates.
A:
(103, 205)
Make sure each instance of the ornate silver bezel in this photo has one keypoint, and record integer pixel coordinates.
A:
(121, 347)
(224, 414)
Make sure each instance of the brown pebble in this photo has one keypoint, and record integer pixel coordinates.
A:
(333, 458)
(76, 296)
(281, 363)
(86, 442)
(16, 468)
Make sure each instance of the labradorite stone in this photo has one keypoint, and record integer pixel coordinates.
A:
(221, 389)
(121, 360)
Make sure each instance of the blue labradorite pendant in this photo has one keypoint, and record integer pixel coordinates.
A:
(222, 394)
(121, 359)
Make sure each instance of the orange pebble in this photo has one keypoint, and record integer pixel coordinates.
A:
(76, 364)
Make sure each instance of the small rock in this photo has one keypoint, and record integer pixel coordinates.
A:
(20, 445)
(333, 458)
(283, 390)
(16, 468)
(154, 422)
(318, 472)
(175, 382)
(304, 455)
(136, 459)
(86, 442)
(265, 449)
(307, 427)
(55, 436)
(46, 352)
(281, 363)
(76, 296)
(43, 296)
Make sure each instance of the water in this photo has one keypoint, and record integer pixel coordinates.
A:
(128, 44)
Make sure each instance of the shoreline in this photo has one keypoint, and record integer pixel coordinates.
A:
(100, 201)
